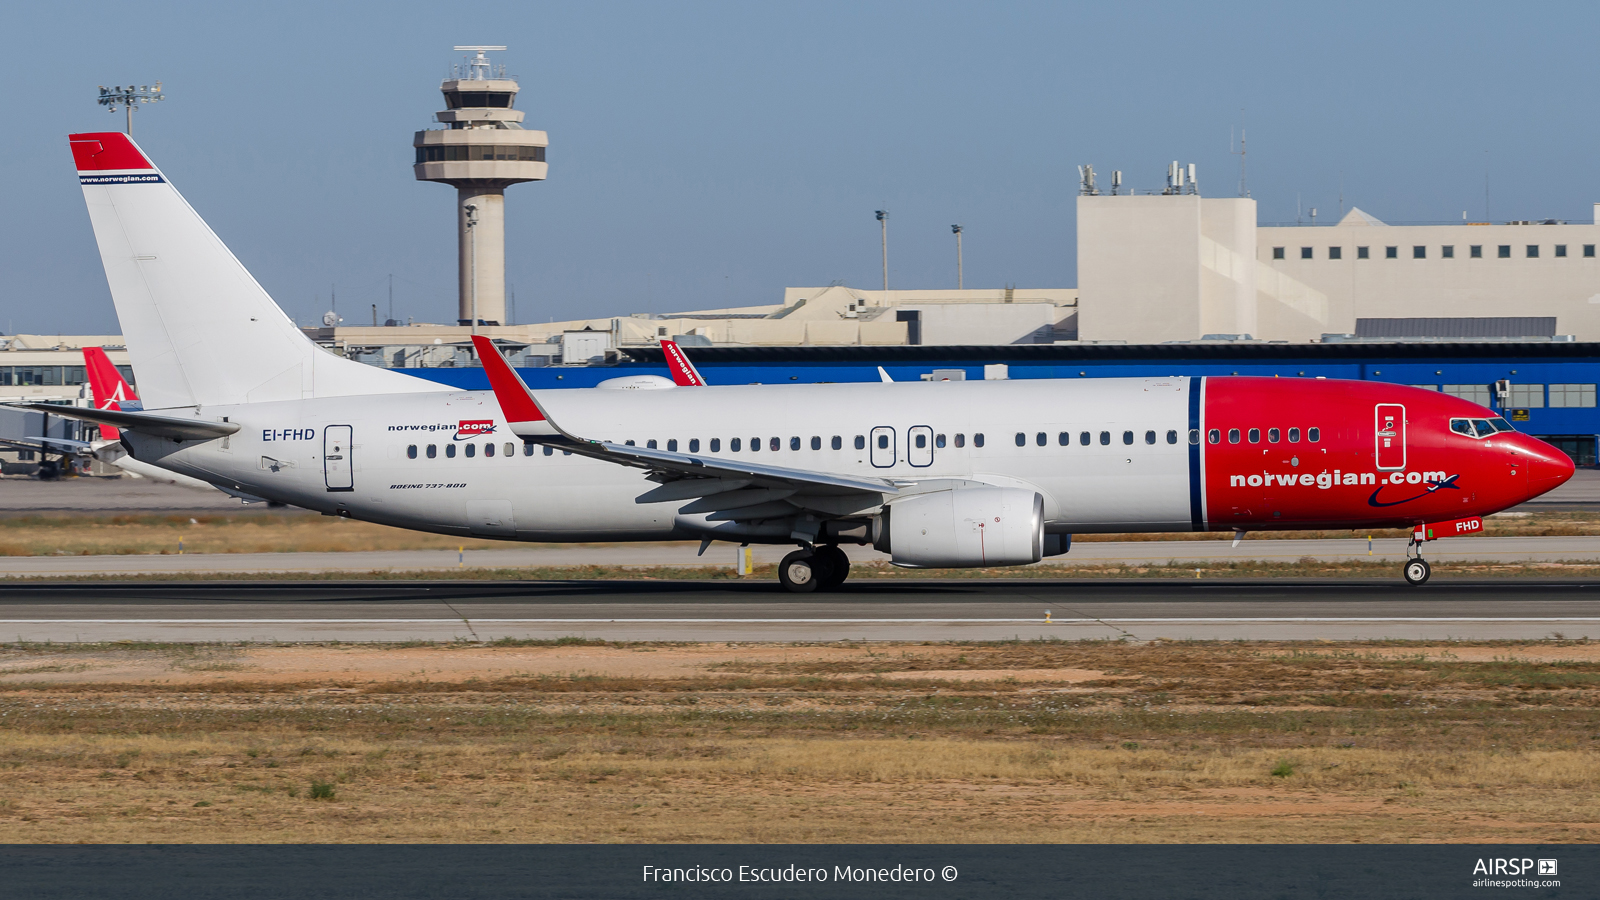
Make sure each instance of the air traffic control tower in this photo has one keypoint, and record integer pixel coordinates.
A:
(481, 149)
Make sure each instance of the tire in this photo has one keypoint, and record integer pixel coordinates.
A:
(1417, 571)
(800, 573)
(837, 566)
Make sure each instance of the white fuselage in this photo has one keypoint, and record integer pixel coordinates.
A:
(296, 452)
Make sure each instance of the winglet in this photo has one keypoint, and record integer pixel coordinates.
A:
(684, 374)
(522, 412)
(883, 376)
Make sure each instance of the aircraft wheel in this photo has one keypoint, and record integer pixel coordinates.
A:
(836, 564)
(800, 572)
(1417, 571)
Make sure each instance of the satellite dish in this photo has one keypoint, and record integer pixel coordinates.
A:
(331, 318)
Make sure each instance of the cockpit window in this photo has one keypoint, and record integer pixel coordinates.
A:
(1501, 424)
(1462, 426)
(1483, 426)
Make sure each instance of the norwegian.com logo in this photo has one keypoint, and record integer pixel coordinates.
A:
(471, 428)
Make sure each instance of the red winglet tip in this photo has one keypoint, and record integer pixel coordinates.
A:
(515, 401)
(106, 150)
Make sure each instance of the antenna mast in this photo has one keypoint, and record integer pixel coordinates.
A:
(1244, 188)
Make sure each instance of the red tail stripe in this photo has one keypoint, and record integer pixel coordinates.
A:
(106, 150)
(515, 401)
(683, 372)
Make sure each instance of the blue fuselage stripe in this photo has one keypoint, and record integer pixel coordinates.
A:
(1196, 515)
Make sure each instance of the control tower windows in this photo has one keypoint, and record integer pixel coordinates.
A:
(1448, 251)
(1476, 251)
(478, 99)
(1277, 253)
(1588, 251)
(1336, 253)
(469, 153)
(1561, 251)
(1362, 252)
(1391, 253)
(1305, 253)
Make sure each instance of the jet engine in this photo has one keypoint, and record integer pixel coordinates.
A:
(981, 526)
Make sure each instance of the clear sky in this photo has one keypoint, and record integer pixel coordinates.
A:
(711, 154)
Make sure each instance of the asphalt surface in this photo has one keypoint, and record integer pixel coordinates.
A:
(685, 554)
(757, 611)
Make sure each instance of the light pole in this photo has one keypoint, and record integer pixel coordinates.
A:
(883, 222)
(126, 97)
(956, 229)
(472, 262)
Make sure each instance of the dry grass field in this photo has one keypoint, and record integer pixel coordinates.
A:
(291, 531)
(1010, 742)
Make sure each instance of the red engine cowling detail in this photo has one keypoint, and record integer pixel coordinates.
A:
(1303, 453)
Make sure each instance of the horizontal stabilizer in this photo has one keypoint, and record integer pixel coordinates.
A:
(144, 423)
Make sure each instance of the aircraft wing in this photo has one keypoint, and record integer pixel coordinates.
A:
(142, 422)
(730, 490)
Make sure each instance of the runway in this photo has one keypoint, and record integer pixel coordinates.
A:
(933, 610)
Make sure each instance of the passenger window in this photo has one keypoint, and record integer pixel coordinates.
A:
(651, 444)
(977, 439)
(755, 445)
(861, 442)
(1150, 437)
(1022, 439)
(488, 450)
(1064, 439)
(883, 442)
(1255, 435)
(716, 445)
(449, 451)
(1041, 439)
(472, 450)
(1085, 438)
(510, 449)
(411, 452)
(922, 441)
(549, 451)
(837, 443)
(527, 449)
(433, 451)
(672, 445)
(1313, 434)
(630, 443)
(1214, 436)
(694, 445)
(1233, 435)
(938, 441)
(1172, 437)
(1194, 436)
(961, 440)
(1105, 438)
(734, 445)
(1294, 435)
(816, 442)
(794, 443)
(1127, 437)
(776, 443)
(1272, 435)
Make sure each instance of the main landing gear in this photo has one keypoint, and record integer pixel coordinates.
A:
(815, 568)
(1416, 570)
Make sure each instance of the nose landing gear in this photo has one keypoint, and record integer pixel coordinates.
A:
(1416, 570)
(810, 569)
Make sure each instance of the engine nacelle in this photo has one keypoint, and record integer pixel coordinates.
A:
(987, 526)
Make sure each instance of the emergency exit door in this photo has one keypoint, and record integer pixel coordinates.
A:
(883, 449)
(1391, 437)
(336, 461)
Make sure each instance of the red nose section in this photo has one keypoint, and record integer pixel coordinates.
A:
(1548, 469)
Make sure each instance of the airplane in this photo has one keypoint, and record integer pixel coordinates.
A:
(110, 391)
(936, 474)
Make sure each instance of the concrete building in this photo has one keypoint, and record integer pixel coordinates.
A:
(1179, 267)
(482, 150)
(823, 316)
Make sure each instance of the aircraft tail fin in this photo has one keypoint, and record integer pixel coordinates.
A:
(200, 329)
(109, 388)
(684, 374)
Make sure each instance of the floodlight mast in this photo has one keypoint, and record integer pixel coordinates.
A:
(113, 97)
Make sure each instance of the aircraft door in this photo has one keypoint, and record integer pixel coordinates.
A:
(1390, 436)
(882, 445)
(336, 458)
(919, 446)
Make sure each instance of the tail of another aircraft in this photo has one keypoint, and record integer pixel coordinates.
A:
(110, 389)
(200, 330)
